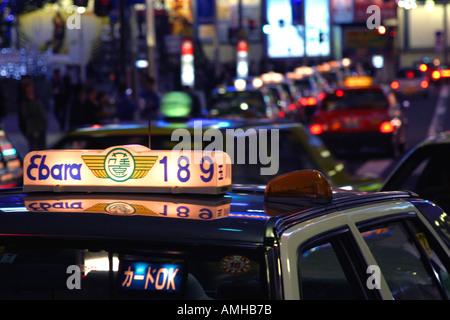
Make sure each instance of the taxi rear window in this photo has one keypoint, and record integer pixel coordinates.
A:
(409, 73)
(355, 99)
(240, 102)
(47, 271)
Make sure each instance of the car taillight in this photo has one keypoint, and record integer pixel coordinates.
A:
(281, 114)
(292, 107)
(436, 75)
(386, 127)
(310, 101)
(395, 85)
(424, 84)
(321, 95)
(316, 128)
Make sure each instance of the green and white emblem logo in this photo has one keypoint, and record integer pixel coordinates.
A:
(119, 165)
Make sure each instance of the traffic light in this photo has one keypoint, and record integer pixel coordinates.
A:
(102, 7)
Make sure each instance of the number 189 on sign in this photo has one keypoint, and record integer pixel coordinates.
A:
(194, 168)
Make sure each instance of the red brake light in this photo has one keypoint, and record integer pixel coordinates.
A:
(423, 67)
(339, 93)
(410, 74)
(395, 85)
(386, 127)
(308, 101)
(424, 84)
(316, 128)
(281, 114)
(321, 95)
(292, 107)
(312, 101)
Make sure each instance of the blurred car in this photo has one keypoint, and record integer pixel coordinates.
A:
(287, 94)
(294, 239)
(242, 100)
(311, 94)
(295, 147)
(11, 170)
(410, 82)
(424, 170)
(311, 86)
(358, 117)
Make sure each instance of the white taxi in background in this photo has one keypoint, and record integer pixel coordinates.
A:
(133, 223)
(411, 82)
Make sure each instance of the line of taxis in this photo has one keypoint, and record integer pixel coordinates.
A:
(128, 212)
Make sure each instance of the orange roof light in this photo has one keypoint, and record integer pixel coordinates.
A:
(302, 187)
(358, 81)
(445, 73)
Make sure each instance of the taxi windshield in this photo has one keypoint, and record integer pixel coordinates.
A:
(354, 99)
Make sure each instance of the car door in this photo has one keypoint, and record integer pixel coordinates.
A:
(381, 251)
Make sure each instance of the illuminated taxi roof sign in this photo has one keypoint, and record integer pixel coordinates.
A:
(132, 168)
(358, 81)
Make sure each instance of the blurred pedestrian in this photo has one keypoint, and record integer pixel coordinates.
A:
(78, 116)
(92, 106)
(3, 99)
(196, 107)
(33, 118)
(106, 111)
(149, 99)
(125, 107)
(60, 98)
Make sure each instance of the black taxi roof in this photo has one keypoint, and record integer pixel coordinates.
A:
(241, 220)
